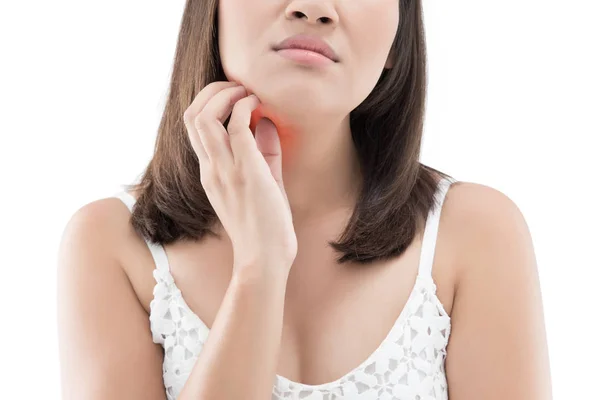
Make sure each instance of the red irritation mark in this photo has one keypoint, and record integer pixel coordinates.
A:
(287, 136)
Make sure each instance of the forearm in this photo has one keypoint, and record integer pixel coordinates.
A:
(239, 358)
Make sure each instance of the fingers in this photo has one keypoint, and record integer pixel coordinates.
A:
(204, 120)
(220, 149)
(243, 144)
(194, 109)
(209, 125)
(204, 96)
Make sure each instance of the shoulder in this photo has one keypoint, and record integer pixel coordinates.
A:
(104, 220)
(482, 207)
(102, 326)
(476, 216)
(475, 223)
(488, 225)
(99, 227)
(497, 303)
(485, 235)
(474, 200)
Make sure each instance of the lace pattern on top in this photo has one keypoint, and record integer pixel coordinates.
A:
(407, 365)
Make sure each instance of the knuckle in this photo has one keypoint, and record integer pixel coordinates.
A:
(240, 110)
(187, 116)
(216, 89)
(238, 178)
(217, 85)
(200, 121)
(238, 106)
(233, 126)
(209, 91)
(244, 103)
(213, 85)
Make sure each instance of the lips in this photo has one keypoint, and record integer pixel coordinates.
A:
(310, 43)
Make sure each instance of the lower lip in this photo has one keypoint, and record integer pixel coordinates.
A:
(306, 57)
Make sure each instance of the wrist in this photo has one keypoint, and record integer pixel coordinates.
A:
(260, 273)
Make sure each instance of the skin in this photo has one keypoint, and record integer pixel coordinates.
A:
(318, 179)
(484, 266)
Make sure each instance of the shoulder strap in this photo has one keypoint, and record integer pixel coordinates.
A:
(431, 229)
(157, 250)
(128, 199)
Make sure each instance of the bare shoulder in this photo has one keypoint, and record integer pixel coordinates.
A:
(486, 221)
(475, 201)
(105, 345)
(98, 226)
(480, 208)
(102, 214)
(497, 348)
(470, 215)
(101, 229)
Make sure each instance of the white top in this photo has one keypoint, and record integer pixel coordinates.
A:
(407, 365)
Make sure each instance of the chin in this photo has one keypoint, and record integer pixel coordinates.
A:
(300, 99)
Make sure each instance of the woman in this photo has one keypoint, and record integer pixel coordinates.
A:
(299, 262)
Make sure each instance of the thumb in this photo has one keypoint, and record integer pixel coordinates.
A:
(267, 141)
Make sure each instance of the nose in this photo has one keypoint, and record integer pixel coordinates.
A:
(312, 11)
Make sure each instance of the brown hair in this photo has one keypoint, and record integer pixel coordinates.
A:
(397, 190)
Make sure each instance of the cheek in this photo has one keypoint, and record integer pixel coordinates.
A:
(365, 67)
(371, 37)
(239, 33)
(373, 27)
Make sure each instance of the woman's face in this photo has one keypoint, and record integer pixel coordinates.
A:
(361, 33)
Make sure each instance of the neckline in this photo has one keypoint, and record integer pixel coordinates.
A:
(370, 358)
(282, 381)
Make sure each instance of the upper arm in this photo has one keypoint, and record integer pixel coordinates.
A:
(106, 348)
(497, 348)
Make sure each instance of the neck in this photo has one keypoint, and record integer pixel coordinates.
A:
(321, 173)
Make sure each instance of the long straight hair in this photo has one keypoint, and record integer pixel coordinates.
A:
(387, 128)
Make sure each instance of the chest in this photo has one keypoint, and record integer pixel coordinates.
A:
(335, 316)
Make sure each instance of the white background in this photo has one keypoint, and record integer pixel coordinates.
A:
(513, 104)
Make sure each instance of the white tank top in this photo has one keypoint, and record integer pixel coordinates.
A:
(407, 365)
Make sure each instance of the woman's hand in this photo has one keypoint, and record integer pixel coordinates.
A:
(242, 177)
